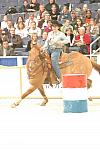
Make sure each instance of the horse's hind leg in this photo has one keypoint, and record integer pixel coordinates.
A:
(41, 89)
(29, 91)
(89, 83)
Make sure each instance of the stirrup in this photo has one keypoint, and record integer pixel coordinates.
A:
(58, 81)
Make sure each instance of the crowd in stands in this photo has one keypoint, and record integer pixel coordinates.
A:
(79, 25)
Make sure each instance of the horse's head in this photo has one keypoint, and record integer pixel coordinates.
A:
(35, 50)
(36, 62)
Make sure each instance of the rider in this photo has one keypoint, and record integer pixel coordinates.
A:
(54, 43)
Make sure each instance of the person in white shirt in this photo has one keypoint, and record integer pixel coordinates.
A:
(21, 30)
(29, 20)
(19, 19)
(4, 22)
(70, 37)
(34, 29)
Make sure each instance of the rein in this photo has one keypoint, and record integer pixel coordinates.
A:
(36, 66)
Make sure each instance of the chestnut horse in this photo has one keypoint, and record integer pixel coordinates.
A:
(37, 70)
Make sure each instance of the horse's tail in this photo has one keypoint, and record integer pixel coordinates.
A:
(96, 66)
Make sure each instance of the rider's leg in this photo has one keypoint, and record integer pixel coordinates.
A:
(55, 62)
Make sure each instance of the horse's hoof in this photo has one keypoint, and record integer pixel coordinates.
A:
(43, 103)
(90, 98)
(13, 105)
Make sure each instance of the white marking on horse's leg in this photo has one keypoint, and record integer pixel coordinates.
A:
(41, 89)
(29, 91)
(90, 98)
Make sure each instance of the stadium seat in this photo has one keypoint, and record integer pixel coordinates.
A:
(19, 51)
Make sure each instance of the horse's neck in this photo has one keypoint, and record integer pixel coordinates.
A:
(35, 51)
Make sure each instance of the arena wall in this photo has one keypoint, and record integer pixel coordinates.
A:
(14, 82)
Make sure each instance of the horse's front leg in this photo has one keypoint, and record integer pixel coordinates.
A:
(41, 89)
(29, 91)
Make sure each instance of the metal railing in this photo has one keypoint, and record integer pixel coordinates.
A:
(91, 54)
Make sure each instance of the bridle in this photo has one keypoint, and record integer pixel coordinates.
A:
(35, 64)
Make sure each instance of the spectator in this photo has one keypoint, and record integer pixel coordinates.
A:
(48, 28)
(34, 5)
(88, 17)
(83, 41)
(10, 24)
(24, 7)
(4, 22)
(15, 40)
(69, 5)
(5, 49)
(98, 17)
(54, 13)
(98, 20)
(78, 12)
(88, 28)
(65, 14)
(19, 19)
(21, 30)
(94, 28)
(43, 38)
(66, 26)
(32, 42)
(34, 29)
(84, 10)
(70, 37)
(79, 23)
(44, 22)
(49, 5)
(39, 13)
(29, 20)
(3, 36)
(73, 18)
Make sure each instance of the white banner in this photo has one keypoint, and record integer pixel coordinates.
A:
(14, 82)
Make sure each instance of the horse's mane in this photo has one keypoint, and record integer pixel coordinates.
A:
(35, 51)
(34, 61)
(36, 47)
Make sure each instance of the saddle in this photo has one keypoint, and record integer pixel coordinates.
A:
(62, 63)
(62, 60)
